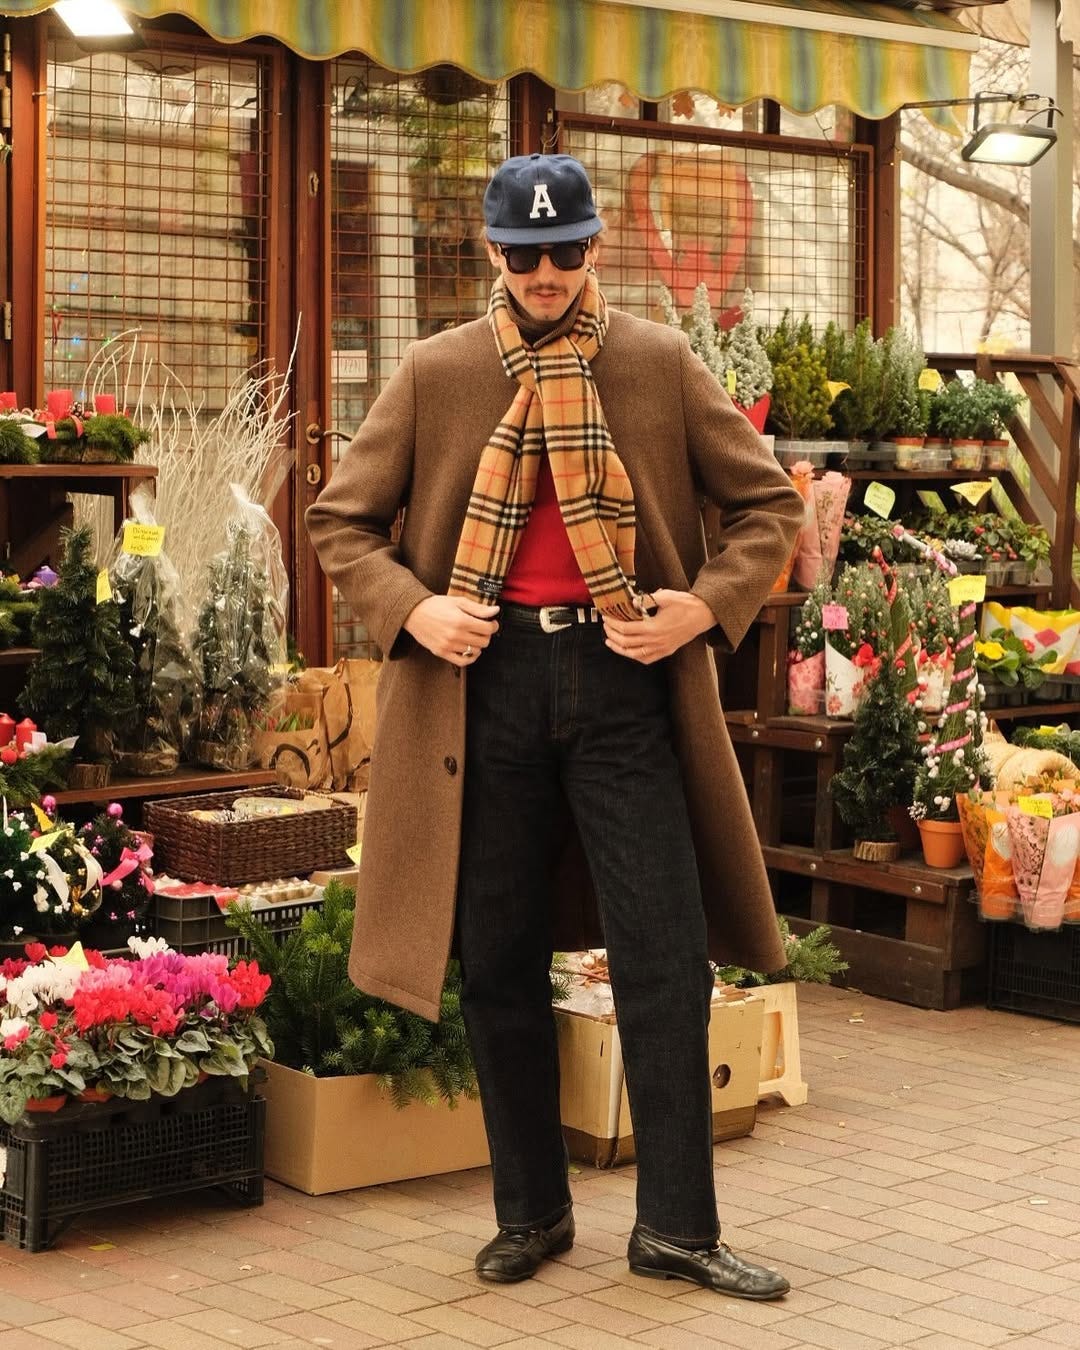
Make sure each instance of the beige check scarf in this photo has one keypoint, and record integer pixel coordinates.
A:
(556, 408)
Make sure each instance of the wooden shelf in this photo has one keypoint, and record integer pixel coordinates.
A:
(18, 656)
(791, 599)
(78, 471)
(898, 475)
(908, 876)
(187, 780)
(1036, 709)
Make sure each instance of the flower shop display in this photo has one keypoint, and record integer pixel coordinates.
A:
(32, 904)
(1061, 739)
(853, 362)
(74, 1020)
(82, 682)
(806, 659)
(166, 684)
(819, 541)
(936, 631)
(240, 639)
(29, 765)
(352, 1091)
(856, 628)
(903, 408)
(800, 389)
(67, 431)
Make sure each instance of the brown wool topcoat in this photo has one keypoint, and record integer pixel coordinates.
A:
(680, 438)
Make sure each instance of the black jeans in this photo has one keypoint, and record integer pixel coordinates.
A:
(554, 717)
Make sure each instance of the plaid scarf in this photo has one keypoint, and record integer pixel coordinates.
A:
(555, 408)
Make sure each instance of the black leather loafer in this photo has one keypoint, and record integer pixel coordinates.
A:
(715, 1268)
(515, 1255)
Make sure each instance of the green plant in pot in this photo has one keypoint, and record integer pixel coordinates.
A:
(902, 407)
(855, 360)
(960, 415)
(800, 388)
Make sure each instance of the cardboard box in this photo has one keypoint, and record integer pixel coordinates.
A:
(338, 1134)
(595, 1109)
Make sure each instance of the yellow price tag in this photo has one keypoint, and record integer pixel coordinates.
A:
(879, 499)
(1048, 731)
(836, 387)
(104, 590)
(932, 501)
(143, 541)
(730, 381)
(353, 853)
(42, 842)
(963, 589)
(930, 380)
(1036, 806)
(42, 819)
(75, 956)
(972, 492)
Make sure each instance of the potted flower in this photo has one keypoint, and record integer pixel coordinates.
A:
(936, 630)
(1032, 545)
(1006, 668)
(806, 657)
(996, 405)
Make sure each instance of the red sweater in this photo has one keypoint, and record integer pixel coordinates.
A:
(544, 570)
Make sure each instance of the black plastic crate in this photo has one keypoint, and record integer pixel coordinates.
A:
(194, 923)
(1036, 973)
(87, 1157)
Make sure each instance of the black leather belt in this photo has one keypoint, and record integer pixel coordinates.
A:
(550, 618)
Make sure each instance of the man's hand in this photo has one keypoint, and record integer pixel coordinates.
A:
(452, 627)
(680, 617)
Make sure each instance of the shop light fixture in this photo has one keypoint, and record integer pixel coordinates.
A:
(93, 18)
(1017, 143)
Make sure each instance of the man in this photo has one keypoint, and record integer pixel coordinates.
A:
(548, 688)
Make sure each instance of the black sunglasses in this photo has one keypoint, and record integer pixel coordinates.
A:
(522, 258)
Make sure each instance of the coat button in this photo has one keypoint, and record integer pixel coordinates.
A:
(450, 764)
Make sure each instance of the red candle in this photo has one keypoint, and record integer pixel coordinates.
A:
(8, 399)
(104, 403)
(58, 403)
(24, 731)
(7, 728)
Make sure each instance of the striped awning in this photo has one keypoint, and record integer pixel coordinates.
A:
(868, 57)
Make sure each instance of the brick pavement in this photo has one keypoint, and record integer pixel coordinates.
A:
(927, 1196)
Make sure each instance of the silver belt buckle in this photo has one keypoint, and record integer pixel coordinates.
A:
(547, 623)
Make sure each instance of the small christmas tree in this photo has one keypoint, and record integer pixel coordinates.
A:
(745, 354)
(81, 684)
(233, 642)
(880, 760)
(126, 885)
(166, 688)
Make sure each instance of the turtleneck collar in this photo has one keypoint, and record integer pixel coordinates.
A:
(538, 334)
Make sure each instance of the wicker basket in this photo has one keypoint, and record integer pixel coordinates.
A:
(234, 852)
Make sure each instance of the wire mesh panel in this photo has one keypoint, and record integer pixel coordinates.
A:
(410, 158)
(731, 211)
(156, 212)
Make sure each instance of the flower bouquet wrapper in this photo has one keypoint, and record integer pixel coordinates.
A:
(802, 480)
(845, 683)
(1045, 853)
(808, 564)
(831, 492)
(1056, 630)
(937, 671)
(990, 852)
(806, 685)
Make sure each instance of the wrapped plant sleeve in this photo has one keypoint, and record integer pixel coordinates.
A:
(155, 621)
(240, 637)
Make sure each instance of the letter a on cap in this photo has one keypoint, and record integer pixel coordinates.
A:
(541, 202)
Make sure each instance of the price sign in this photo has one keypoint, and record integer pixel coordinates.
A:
(730, 381)
(972, 492)
(879, 499)
(963, 589)
(930, 380)
(932, 501)
(1036, 806)
(353, 853)
(104, 590)
(834, 617)
(143, 541)
(836, 387)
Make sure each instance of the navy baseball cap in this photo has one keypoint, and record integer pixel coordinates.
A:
(540, 199)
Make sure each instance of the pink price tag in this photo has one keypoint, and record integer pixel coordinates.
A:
(834, 617)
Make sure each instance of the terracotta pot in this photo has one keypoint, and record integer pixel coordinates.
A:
(53, 1103)
(942, 842)
(94, 1094)
(905, 829)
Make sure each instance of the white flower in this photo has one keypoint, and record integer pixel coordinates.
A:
(144, 947)
(11, 1026)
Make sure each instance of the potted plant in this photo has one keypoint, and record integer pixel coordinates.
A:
(806, 658)
(354, 1080)
(748, 367)
(997, 405)
(856, 633)
(936, 629)
(879, 764)
(953, 758)
(853, 360)
(799, 409)
(902, 406)
(1007, 669)
(1032, 545)
(960, 415)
